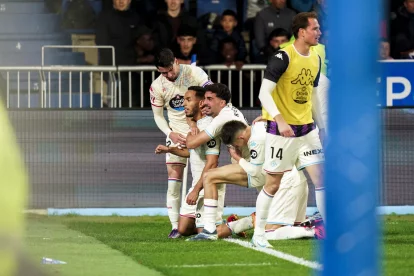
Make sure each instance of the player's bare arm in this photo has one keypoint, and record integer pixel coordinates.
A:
(265, 96)
(182, 152)
(162, 124)
(212, 162)
(194, 141)
(234, 153)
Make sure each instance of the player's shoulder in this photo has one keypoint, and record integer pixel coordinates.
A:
(280, 58)
(191, 68)
(258, 132)
(157, 83)
(197, 72)
(204, 122)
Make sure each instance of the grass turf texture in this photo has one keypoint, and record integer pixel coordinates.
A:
(123, 245)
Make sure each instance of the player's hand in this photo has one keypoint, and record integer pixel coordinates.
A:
(194, 130)
(284, 129)
(161, 149)
(192, 197)
(177, 138)
(258, 119)
(234, 153)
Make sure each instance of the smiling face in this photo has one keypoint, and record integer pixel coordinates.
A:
(229, 52)
(213, 104)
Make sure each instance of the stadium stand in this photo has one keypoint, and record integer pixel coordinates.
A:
(26, 26)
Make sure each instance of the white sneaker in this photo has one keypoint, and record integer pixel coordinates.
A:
(260, 241)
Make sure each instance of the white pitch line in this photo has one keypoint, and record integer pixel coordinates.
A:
(218, 265)
(278, 254)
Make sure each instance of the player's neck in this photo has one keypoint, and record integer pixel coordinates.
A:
(198, 116)
(301, 47)
(214, 116)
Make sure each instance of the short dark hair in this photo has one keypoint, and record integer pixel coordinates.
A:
(226, 40)
(229, 13)
(186, 30)
(221, 91)
(301, 21)
(164, 58)
(200, 91)
(230, 130)
(278, 32)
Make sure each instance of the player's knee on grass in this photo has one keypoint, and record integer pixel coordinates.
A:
(186, 226)
(223, 231)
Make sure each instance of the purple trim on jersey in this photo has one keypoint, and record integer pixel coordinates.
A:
(207, 83)
(299, 130)
(269, 195)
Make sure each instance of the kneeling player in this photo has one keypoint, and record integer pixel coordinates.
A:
(288, 211)
(202, 159)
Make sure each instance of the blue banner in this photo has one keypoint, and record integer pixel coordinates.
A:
(397, 78)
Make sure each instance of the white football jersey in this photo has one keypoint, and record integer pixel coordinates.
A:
(164, 93)
(198, 155)
(256, 144)
(256, 147)
(227, 114)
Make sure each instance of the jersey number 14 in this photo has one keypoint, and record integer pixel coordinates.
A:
(279, 153)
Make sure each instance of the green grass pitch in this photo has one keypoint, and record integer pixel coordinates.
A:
(139, 246)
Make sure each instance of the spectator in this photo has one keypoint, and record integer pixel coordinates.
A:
(270, 18)
(169, 21)
(402, 31)
(276, 38)
(117, 27)
(144, 46)
(228, 24)
(385, 50)
(253, 7)
(186, 46)
(228, 52)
